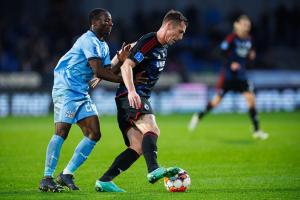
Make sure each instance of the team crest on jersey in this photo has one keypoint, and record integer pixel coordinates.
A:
(146, 106)
(139, 57)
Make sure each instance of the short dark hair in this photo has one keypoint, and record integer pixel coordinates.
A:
(95, 13)
(176, 16)
(242, 17)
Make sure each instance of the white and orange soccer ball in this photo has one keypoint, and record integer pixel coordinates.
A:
(178, 183)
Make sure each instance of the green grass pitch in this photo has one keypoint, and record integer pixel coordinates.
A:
(222, 159)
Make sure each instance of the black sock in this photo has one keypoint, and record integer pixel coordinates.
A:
(254, 118)
(120, 164)
(149, 148)
(207, 109)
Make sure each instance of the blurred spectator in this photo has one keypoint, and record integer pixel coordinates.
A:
(294, 23)
(8, 61)
(34, 39)
(281, 22)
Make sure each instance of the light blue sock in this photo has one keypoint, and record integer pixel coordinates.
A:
(82, 151)
(52, 154)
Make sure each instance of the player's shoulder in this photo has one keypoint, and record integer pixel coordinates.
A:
(147, 37)
(227, 42)
(147, 42)
(230, 37)
(89, 34)
(89, 38)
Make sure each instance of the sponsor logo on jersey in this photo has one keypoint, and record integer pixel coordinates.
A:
(70, 114)
(146, 106)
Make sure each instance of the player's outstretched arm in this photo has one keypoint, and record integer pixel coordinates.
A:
(94, 82)
(127, 74)
(252, 55)
(120, 57)
(116, 63)
(104, 73)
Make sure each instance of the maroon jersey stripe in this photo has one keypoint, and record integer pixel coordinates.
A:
(148, 45)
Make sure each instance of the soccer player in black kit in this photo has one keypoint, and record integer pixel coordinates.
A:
(237, 49)
(135, 116)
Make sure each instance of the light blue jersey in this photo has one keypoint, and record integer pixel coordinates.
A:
(72, 75)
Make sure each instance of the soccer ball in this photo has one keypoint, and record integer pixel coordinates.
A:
(178, 183)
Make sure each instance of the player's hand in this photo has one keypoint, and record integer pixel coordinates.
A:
(124, 52)
(134, 100)
(235, 66)
(94, 82)
(252, 55)
(140, 78)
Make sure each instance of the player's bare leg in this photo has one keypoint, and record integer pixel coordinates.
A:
(52, 156)
(197, 116)
(147, 125)
(91, 129)
(258, 133)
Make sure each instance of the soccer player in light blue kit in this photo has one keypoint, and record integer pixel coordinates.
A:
(88, 57)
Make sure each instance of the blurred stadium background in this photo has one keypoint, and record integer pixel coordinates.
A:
(35, 34)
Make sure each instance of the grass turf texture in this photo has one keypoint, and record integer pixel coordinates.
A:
(222, 159)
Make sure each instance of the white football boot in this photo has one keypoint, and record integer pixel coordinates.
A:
(260, 135)
(193, 123)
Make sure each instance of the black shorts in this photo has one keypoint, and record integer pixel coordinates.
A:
(127, 115)
(236, 86)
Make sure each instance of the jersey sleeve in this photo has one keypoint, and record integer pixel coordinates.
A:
(142, 48)
(226, 46)
(106, 57)
(227, 43)
(91, 49)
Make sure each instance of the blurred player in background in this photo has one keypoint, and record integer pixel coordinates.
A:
(237, 49)
(135, 116)
(88, 57)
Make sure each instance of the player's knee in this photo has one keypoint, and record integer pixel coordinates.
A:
(252, 106)
(137, 148)
(215, 102)
(95, 136)
(62, 129)
(251, 102)
(62, 133)
(154, 130)
(157, 131)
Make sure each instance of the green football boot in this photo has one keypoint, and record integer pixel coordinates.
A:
(107, 187)
(172, 171)
(162, 172)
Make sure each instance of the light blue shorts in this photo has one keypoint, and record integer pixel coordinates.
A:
(71, 111)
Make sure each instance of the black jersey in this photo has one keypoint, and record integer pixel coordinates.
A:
(236, 49)
(150, 56)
